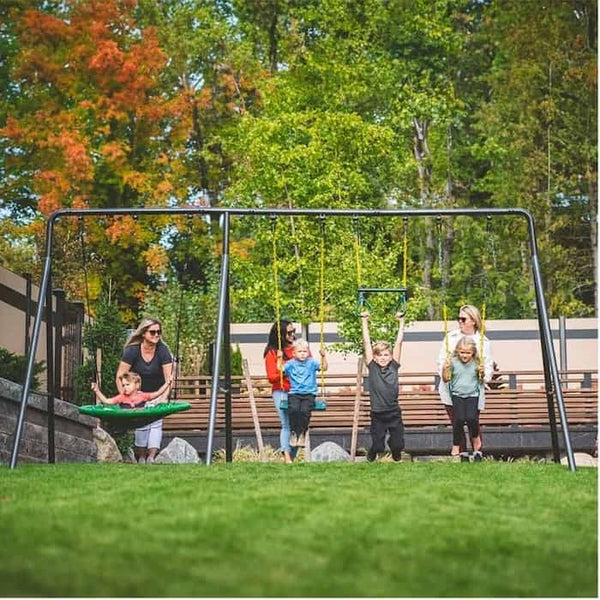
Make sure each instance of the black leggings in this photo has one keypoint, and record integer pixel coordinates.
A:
(464, 412)
(300, 409)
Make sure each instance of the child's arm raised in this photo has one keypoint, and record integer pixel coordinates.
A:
(367, 348)
(397, 351)
(447, 371)
(99, 395)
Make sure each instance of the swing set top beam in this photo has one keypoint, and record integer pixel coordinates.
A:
(315, 212)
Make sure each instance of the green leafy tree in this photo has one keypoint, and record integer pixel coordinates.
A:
(188, 314)
(538, 134)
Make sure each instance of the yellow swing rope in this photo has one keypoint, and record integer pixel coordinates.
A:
(481, 336)
(446, 340)
(405, 255)
(322, 305)
(277, 302)
(357, 254)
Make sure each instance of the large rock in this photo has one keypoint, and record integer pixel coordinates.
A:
(108, 450)
(581, 460)
(329, 452)
(178, 451)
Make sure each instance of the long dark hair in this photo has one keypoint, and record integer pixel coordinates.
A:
(273, 343)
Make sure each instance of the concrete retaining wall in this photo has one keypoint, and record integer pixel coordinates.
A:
(74, 440)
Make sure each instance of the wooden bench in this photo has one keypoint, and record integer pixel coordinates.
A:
(523, 405)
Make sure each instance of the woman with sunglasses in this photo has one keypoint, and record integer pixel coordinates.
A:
(147, 355)
(282, 337)
(469, 325)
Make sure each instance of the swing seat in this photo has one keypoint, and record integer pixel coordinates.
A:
(132, 418)
(320, 404)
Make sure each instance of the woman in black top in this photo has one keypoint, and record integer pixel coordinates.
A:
(144, 353)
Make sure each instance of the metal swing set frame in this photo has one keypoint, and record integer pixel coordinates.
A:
(223, 347)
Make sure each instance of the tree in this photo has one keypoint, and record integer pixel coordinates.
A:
(538, 136)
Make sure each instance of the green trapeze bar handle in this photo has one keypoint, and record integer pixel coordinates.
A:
(376, 290)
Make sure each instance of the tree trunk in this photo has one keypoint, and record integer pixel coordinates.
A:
(422, 154)
(593, 203)
(273, 50)
(198, 143)
(447, 245)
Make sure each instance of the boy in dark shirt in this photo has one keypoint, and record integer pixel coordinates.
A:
(383, 363)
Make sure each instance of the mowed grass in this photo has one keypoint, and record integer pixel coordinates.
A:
(248, 529)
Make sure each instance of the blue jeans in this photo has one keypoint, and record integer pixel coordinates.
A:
(284, 418)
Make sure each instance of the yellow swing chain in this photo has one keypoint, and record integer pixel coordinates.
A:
(276, 290)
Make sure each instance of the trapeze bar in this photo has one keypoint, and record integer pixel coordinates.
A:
(375, 290)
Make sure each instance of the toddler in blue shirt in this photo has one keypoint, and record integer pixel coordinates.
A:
(302, 373)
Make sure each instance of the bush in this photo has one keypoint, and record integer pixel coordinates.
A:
(107, 333)
(14, 368)
(236, 362)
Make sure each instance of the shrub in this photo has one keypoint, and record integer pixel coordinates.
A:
(14, 368)
(108, 333)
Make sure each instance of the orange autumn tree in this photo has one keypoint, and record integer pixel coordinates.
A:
(106, 118)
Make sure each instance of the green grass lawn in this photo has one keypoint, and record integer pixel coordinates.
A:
(248, 529)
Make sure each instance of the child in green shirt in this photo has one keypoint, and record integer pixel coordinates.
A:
(464, 372)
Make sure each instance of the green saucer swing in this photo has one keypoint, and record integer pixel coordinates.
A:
(132, 418)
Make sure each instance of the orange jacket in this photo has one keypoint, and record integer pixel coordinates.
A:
(273, 372)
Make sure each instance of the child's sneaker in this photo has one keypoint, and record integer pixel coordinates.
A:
(141, 461)
(150, 460)
(477, 456)
(464, 457)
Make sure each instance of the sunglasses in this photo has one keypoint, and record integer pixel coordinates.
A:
(153, 331)
(462, 319)
(290, 332)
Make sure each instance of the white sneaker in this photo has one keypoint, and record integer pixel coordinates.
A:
(150, 460)
(141, 461)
